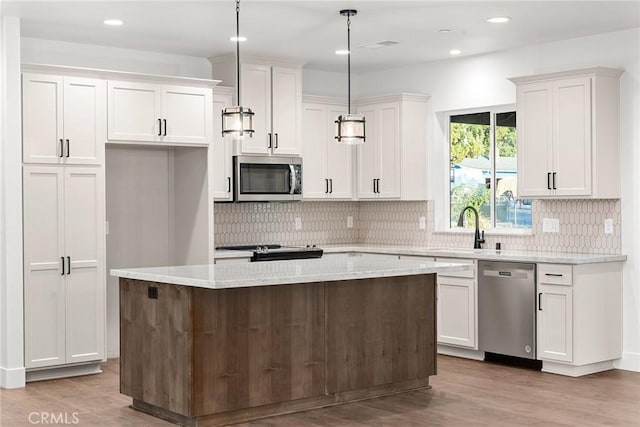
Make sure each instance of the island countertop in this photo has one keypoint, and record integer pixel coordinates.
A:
(335, 268)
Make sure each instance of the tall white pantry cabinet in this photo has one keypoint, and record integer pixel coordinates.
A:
(64, 131)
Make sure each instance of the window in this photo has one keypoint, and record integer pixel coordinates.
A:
(483, 170)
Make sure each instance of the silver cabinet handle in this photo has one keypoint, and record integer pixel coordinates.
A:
(68, 148)
(554, 181)
(276, 135)
(326, 186)
(270, 144)
(61, 149)
(330, 185)
(68, 265)
(159, 127)
(62, 272)
(164, 121)
(228, 184)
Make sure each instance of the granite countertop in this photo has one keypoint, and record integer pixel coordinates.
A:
(469, 253)
(346, 267)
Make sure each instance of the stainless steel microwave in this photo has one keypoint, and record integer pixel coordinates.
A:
(267, 178)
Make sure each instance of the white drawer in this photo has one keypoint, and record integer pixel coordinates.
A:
(470, 273)
(555, 274)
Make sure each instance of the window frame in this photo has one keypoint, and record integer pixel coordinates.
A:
(492, 110)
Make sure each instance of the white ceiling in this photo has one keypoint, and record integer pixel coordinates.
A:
(310, 31)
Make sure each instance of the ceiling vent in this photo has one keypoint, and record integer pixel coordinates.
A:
(378, 45)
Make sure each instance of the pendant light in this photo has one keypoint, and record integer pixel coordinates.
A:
(237, 121)
(350, 126)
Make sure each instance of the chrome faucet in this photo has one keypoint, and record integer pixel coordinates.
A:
(478, 241)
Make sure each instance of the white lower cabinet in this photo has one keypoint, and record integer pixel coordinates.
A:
(64, 265)
(457, 306)
(555, 323)
(579, 317)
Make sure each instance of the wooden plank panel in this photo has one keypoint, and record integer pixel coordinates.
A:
(380, 331)
(257, 346)
(155, 344)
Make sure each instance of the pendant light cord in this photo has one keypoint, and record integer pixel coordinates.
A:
(238, 49)
(349, 64)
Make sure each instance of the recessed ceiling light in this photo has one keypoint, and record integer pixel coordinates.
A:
(113, 22)
(498, 19)
(444, 30)
(342, 52)
(238, 39)
(455, 51)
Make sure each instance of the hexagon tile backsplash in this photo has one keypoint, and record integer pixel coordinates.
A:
(396, 223)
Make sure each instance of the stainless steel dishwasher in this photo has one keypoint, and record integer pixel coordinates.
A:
(507, 308)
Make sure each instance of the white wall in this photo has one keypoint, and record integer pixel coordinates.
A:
(12, 373)
(53, 52)
(328, 83)
(482, 81)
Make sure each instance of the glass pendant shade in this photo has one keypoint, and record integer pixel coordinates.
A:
(237, 122)
(351, 129)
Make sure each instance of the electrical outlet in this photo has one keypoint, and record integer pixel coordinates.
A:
(550, 225)
(608, 226)
(422, 223)
(298, 223)
(349, 222)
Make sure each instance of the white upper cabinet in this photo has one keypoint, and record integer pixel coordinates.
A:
(327, 168)
(221, 151)
(63, 119)
(392, 162)
(187, 114)
(256, 94)
(274, 93)
(286, 101)
(155, 113)
(568, 134)
(275, 96)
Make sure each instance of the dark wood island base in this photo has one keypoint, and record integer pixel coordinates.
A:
(203, 357)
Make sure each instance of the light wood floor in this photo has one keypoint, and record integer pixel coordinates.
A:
(464, 393)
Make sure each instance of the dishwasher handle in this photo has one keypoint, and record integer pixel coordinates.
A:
(507, 274)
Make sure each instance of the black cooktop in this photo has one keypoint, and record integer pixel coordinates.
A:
(274, 252)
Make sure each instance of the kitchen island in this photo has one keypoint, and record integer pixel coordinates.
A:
(217, 344)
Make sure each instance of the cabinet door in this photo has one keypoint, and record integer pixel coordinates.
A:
(286, 98)
(85, 105)
(572, 136)
(368, 156)
(85, 279)
(555, 323)
(389, 150)
(339, 159)
(134, 111)
(534, 124)
(221, 154)
(256, 94)
(456, 311)
(188, 113)
(315, 184)
(42, 131)
(44, 290)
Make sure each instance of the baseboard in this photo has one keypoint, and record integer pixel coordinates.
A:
(460, 352)
(63, 372)
(576, 371)
(12, 377)
(629, 362)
